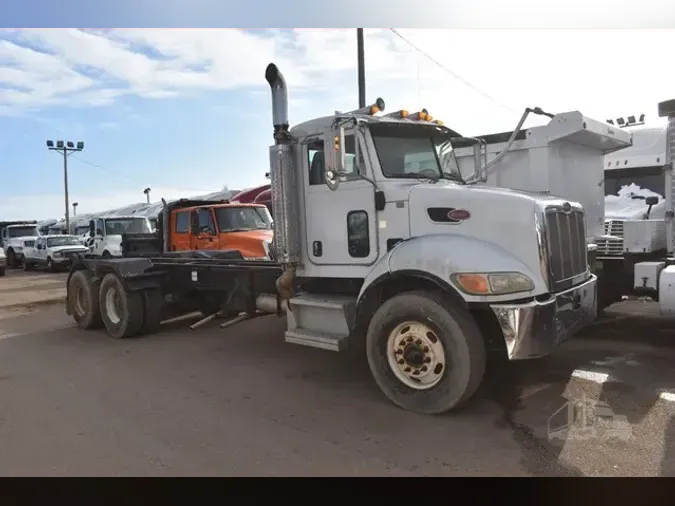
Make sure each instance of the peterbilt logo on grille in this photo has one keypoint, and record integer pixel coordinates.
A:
(567, 207)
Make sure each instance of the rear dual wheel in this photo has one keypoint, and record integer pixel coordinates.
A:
(107, 303)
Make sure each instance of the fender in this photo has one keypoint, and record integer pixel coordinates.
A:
(440, 256)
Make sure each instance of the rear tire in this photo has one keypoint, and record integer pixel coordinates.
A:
(83, 300)
(121, 311)
(421, 329)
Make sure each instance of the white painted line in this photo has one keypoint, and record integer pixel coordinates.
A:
(7, 336)
(596, 377)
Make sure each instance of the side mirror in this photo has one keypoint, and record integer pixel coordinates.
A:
(650, 201)
(336, 160)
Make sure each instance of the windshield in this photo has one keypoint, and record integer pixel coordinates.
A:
(646, 178)
(414, 151)
(62, 241)
(22, 231)
(236, 219)
(81, 230)
(121, 226)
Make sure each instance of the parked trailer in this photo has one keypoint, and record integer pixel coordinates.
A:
(380, 248)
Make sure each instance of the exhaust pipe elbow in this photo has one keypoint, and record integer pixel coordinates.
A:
(279, 97)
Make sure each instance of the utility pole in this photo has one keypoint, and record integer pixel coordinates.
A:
(65, 148)
(75, 204)
(360, 57)
(147, 195)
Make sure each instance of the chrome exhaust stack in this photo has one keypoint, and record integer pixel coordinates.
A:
(283, 182)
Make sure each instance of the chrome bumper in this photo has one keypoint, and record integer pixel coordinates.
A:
(534, 329)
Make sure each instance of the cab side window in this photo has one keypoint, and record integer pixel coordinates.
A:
(316, 162)
(182, 222)
(206, 223)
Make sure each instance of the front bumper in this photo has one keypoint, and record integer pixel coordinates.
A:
(536, 328)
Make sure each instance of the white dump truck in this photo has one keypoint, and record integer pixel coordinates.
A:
(384, 249)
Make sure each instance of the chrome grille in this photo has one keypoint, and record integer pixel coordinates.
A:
(568, 257)
(614, 246)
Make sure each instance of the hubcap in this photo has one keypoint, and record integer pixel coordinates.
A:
(112, 305)
(80, 302)
(416, 355)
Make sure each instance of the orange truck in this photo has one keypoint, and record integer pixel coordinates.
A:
(206, 227)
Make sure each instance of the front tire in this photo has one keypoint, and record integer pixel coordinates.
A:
(50, 265)
(121, 311)
(2, 271)
(425, 354)
(12, 262)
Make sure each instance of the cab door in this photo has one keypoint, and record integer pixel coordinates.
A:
(204, 234)
(341, 224)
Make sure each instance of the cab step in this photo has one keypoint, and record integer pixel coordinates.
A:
(321, 340)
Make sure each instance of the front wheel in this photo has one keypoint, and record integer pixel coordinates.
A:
(50, 265)
(11, 259)
(425, 354)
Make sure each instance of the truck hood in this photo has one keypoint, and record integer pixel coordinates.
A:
(623, 207)
(249, 242)
(502, 218)
(70, 248)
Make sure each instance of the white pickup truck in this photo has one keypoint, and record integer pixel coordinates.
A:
(52, 252)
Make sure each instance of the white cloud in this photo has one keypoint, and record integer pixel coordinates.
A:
(603, 73)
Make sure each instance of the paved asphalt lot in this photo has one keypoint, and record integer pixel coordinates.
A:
(242, 402)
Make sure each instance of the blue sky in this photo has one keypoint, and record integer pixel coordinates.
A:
(187, 111)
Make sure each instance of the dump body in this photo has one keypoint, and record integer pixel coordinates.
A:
(562, 158)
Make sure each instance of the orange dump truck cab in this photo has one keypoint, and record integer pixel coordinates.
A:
(224, 226)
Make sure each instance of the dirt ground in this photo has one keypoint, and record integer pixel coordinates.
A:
(21, 292)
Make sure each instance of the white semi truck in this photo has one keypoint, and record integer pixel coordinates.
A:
(105, 233)
(14, 238)
(383, 248)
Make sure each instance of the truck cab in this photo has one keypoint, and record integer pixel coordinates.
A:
(373, 212)
(226, 226)
(16, 237)
(106, 233)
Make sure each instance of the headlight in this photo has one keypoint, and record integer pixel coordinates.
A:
(499, 283)
(57, 254)
(18, 248)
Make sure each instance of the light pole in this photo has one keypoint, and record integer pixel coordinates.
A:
(147, 195)
(65, 148)
(75, 204)
(360, 59)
